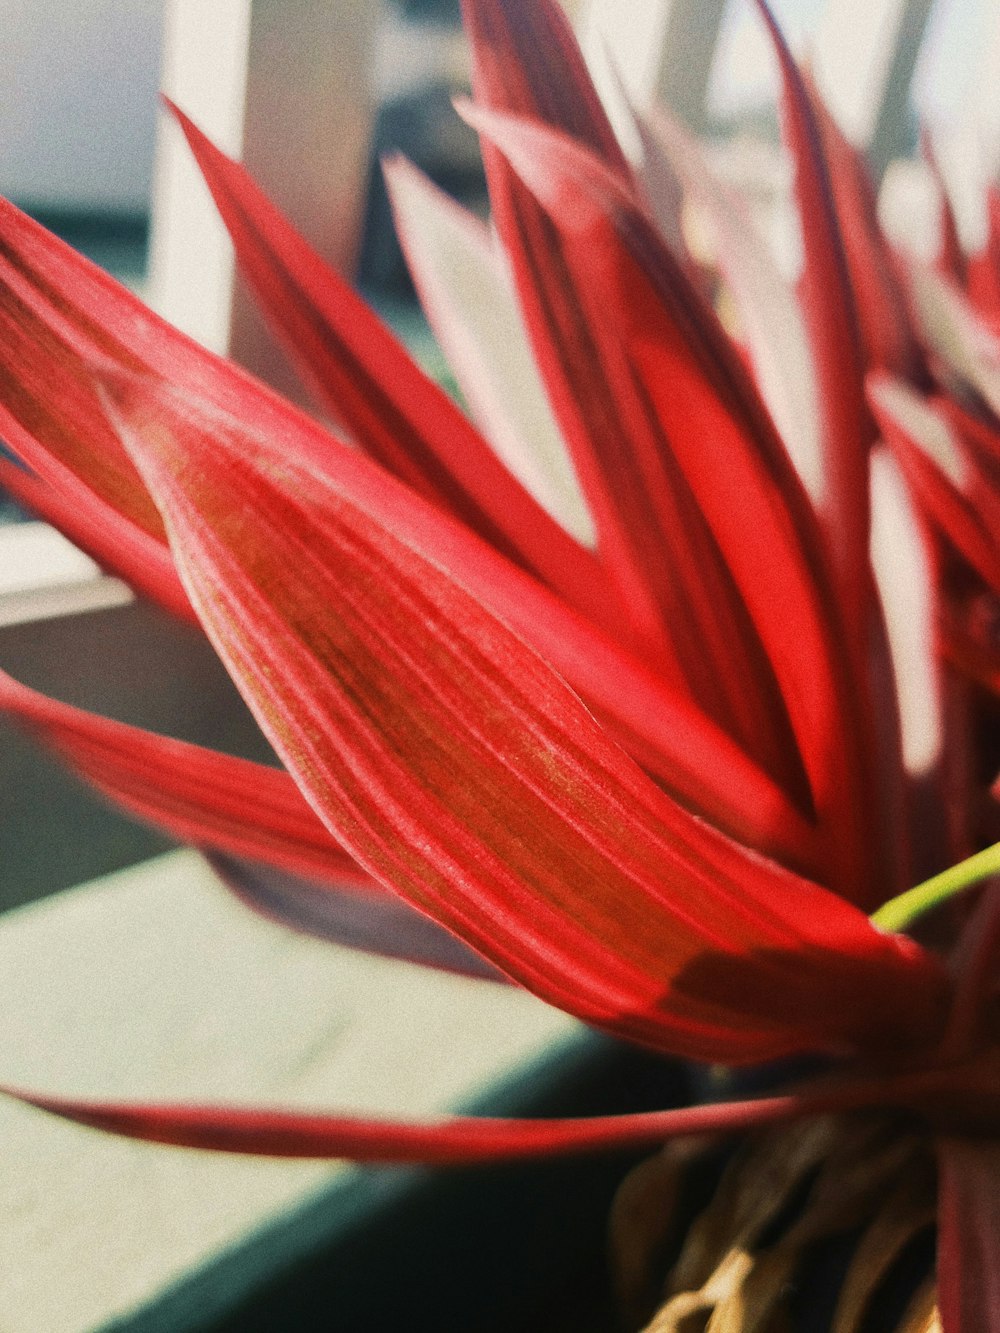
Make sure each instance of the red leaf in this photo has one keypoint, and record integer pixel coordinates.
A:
(50, 417)
(249, 811)
(450, 1141)
(460, 771)
(527, 61)
(719, 450)
(887, 333)
(828, 303)
(668, 735)
(848, 433)
(968, 1227)
(60, 316)
(400, 417)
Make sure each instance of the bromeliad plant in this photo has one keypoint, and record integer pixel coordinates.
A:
(642, 716)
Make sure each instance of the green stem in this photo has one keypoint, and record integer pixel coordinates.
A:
(900, 912)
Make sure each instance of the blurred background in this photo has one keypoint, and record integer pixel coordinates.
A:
(82, 146)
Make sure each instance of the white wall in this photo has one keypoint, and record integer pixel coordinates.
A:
(78, 103)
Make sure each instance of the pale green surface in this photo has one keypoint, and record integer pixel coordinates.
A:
(154, 983)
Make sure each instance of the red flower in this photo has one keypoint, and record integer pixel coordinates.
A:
(659, 779)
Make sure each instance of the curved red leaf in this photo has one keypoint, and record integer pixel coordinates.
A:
(118, 546)
(460, 771)
(668, 735)
(526, 60)
(297, 873)
(60, 316)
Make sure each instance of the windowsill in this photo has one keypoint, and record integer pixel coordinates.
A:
(43, 575)
(154, 983)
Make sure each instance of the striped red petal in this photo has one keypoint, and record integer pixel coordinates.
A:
(460, 771)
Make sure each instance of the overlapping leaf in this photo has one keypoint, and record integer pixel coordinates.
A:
(771, 321)
(370, 383)
(719, 449)
(59, 317)
(527, 62)
(888, 337)
(830, 315)
(460, 771)
(60, 289)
